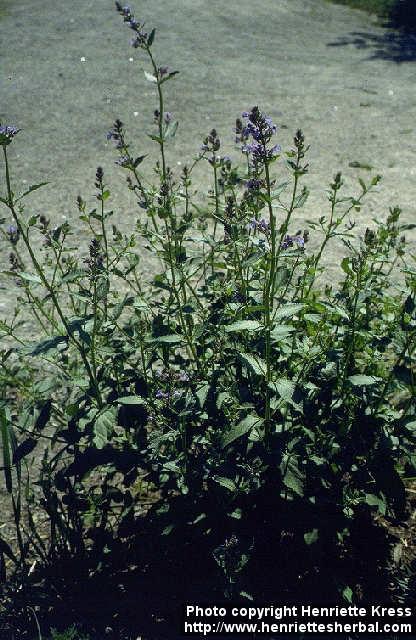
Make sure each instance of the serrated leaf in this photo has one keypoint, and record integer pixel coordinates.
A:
(281, 332)
(284, 387)
(361, 380)
(254, 363)
(288, 310)
(240, 429)
(103, 427)
(243, 325)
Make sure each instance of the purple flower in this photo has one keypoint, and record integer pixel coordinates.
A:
(13, 234)
(161, 395)
(254, 184)
(7, 133)
(260, 225)
(260, 128)
(289, 241)
(168, 117)
(123, 161)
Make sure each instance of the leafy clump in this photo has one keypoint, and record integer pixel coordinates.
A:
(229, 418)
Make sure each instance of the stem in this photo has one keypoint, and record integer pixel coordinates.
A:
(46, 284)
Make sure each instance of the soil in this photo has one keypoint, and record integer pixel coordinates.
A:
(68, 71)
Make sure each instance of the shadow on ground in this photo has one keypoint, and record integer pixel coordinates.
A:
(396, 46)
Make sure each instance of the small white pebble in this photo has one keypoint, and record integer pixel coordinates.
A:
(131, 59)
(179, 162)
(63, 217)
(335, 108)
(24, 181)
(136, 113)
(391, 92)
(82, 59)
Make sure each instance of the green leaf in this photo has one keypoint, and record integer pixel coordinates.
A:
(227, 483)
(240, 429)
(138, 161)
(202, 393)
(33, 187)
(243, 325)
(171, 130)
(288, 310)
(311, 536)
(131, 400)
(151, 38)
(281, 332)
(173, 338)
(29, 277)
(150, 77)
(363, 381)
(347, 594)
(376, 501)
(292, 476)
(103, 427)
(102, 288)
(284, 387)
(255, 363)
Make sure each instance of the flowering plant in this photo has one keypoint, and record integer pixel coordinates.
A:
(265, 420)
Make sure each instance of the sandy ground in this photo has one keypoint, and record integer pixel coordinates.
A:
(67, 71)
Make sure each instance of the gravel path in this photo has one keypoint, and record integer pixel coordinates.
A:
(67, 72)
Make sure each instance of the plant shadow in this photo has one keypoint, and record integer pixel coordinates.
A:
(394, 46)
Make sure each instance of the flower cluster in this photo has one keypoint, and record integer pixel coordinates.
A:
(124, 161)
(116, 134)
(211, 142)
(260, 225)
(171, 379)
(254, 184)
(241, 136)
(260, 128)
(95, 261)
(7, 133)
(290, 241)
(142, 38)
(167, 117)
